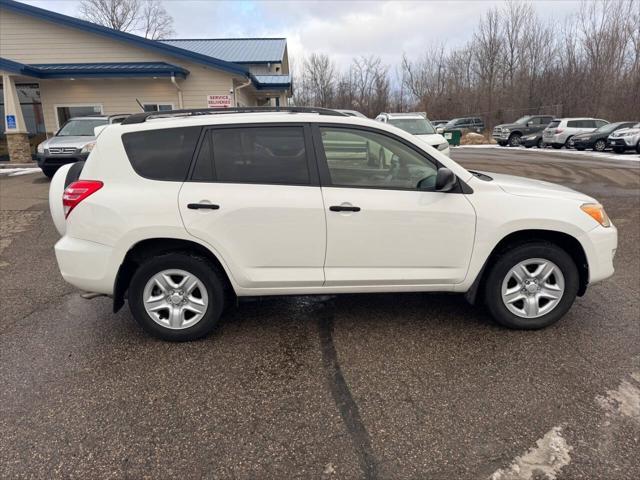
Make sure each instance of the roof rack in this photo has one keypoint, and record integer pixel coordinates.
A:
(143, 117)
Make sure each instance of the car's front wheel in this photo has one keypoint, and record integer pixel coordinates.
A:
(177, 296)
(531, 286)
(600, 145)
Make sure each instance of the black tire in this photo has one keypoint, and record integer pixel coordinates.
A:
(203, 269)
(580, 149)
(556, 146)
(566, 143)
(540, 143)
(620, 150)
(519, 253)
(638, 147)
(528, 146)
(514, 140)
(600, 146)
(49, 172)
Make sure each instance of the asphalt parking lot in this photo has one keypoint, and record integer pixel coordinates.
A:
(380, 386)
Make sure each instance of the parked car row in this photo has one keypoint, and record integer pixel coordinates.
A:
(579, 133)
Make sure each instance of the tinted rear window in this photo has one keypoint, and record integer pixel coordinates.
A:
(553, 124)
(269, 155)
(161, 154)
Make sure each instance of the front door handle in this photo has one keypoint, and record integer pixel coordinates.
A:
(203, 206)
(344, 208)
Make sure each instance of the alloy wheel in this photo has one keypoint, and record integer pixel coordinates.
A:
(600, 145)
(175, 299)
(533, 288)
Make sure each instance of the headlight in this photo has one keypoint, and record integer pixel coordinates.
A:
(88, 147)
(505, 130)
(443, 146)
(629, 134)
(596, 211)
(41, 148)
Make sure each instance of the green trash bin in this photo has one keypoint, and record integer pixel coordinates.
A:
(453, 137)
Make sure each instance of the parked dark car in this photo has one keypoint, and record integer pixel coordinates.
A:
(532, 140)
(512, 133)
(465, 125)
(598, 138)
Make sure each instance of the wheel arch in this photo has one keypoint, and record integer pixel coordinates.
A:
(147, 248)
(565, 241)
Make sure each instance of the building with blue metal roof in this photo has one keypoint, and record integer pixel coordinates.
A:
(77, 67)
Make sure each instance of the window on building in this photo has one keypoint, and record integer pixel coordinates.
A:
(65, 112)
(31, 106)
(157, 107)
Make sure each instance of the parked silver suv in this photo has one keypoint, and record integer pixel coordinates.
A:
(560, 130)
(73, 142)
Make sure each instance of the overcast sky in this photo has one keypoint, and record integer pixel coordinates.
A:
(342, 29)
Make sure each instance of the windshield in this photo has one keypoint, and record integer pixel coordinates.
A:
(80, 128)
(523, 120)
(608, 128)
(415, 126)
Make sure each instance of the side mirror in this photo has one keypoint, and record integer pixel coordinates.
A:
(445, 180)
(440, 130)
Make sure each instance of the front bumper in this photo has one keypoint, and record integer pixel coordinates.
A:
(580, 143)
(600, 245)
(87, 265)
(47, 160)
(500, 136)
(622, 142)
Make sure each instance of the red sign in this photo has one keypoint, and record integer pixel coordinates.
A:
(218, 101)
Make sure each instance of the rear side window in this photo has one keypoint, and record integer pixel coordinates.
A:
(574, 124)
(162, 154)
(269, 155)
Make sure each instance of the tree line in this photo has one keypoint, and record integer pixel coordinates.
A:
(514, 64)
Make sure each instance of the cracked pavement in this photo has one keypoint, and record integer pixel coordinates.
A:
(356, 386)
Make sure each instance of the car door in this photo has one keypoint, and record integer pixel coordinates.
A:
(253, 195)
(381, 229)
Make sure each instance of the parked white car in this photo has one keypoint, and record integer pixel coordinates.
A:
(559, 132)
(419, 125)
(179, 215)
(625, 139)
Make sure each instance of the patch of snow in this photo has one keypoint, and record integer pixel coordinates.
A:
(14, 172)
(605, 155)
(625, 400)
(545, 460)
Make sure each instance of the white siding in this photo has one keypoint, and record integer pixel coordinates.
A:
(29, 40)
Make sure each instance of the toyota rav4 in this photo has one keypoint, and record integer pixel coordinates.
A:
(179, 213)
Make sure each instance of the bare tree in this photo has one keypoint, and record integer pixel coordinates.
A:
(149, 18)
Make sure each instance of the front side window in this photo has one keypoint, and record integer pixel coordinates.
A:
(269, 155)
(360, 158)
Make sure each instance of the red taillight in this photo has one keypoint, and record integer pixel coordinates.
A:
(78, 191)
(559, 130)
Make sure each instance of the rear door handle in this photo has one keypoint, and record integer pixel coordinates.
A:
(203, 206)
(344, 208)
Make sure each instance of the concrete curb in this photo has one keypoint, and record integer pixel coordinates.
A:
(18, 165)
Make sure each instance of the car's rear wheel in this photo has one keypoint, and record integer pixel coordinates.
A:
(514, 140)
(600, 145)
(531, 286)
(177, 296)
(49, 171)
(567, 143)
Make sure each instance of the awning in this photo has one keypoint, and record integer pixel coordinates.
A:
(272, 82)
(94, 70)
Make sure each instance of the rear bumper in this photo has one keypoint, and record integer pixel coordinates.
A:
(87, 265)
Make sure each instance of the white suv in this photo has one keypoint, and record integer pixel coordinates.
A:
(419, 125)
(180, 214)
(559, 132)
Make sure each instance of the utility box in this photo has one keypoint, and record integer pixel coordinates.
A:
(453, 137)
